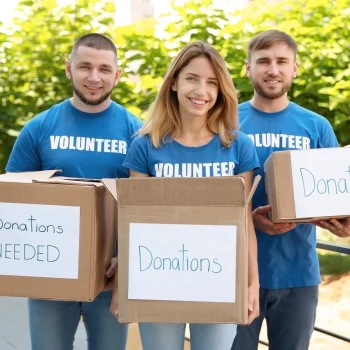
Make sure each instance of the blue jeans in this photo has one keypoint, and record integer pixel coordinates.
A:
(53, 324)
(171, 336)
(290, 317)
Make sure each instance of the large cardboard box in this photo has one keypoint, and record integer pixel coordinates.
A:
(303, 185)
(182, 249)
(57, 236)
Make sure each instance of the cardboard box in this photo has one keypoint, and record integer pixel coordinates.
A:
(182, 249)
(57, 236)
(303, 185)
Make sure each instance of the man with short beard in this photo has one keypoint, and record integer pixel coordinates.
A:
(289, 272)
(87, 136)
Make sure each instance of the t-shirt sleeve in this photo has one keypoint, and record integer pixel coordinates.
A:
(25, 152)
(137, 157)
(248, 159)
(327, 138)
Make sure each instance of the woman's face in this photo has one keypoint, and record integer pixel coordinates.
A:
(197, 88)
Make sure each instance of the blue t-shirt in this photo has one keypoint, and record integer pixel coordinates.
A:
(172, 159)
(84, 145)
(286, 260)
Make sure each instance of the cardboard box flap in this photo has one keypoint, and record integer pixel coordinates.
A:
(71, 181)
(211, 191)
(111, 186)
(29, 176)
(254, 186)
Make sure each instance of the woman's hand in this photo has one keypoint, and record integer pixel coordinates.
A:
(253, 302)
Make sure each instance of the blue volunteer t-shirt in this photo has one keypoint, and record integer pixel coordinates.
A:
(84, 145)
(175, 160)
(286, 260)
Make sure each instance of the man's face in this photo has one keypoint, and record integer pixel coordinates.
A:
(272, 71)
(94, 74)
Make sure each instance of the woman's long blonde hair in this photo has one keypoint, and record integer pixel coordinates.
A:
(164, 117)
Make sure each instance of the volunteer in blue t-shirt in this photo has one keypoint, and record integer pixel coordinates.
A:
(192, 131)
(288, 264)
(85, 136)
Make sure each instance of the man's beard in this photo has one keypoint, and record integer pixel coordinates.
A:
(271, 95)
(85, 100)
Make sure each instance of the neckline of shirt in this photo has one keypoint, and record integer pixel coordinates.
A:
(78, 113)
(259, 113)
(194, 148)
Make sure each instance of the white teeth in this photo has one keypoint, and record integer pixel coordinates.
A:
(92, 88)
(197, 102)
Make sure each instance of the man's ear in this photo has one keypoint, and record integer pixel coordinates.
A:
(295, 69)
(68, 69)
(247, 69)
(117, 76)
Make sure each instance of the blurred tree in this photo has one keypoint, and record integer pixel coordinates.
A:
(318, 26)
(7, 113)
(143, 58)
(33, 50)
(32, 53)
(149, 46)
(320, 30)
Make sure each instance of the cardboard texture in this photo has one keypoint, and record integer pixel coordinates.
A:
(96, 240)
(197, 201)
(322, 182)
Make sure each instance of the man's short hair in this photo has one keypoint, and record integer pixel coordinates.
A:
(96, 41)
(270, 38)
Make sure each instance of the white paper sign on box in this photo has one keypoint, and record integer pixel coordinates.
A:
(321, 182)
(182, 262)
(39, 240)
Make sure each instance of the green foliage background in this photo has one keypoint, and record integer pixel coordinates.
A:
(34, 47)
